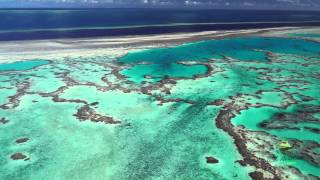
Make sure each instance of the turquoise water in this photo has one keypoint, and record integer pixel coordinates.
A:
(157, 72)
(237, 48)
(22, 65)
(166, 129)
(308, 35)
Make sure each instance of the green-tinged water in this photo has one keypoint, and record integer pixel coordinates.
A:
(156, 72)
(159, 113)
(238, 48)
(22, 65)
(307, 35)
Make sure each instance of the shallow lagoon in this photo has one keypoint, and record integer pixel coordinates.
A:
(22, 65)
(156, 72)
(160, 113)
(252, 48)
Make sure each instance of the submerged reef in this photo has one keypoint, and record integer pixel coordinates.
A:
(234, 108)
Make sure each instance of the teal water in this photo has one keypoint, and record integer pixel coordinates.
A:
(308, 35)
(22, 65)
(246, 49)
(157, 72)
(237, 48)
(156, 139)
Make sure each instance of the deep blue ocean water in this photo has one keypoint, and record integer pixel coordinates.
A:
(73, 23)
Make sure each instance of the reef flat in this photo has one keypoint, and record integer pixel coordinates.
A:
(232, 106)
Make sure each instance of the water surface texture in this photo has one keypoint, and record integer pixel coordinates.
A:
(75, 23)
(234, 108)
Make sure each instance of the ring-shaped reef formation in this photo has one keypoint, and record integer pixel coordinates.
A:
(234, 108)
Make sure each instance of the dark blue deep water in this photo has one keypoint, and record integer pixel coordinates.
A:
(67, 23)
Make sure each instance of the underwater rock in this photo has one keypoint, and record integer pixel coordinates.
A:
(218, 102)
(87, 113)
(94, 103)
(212, 160)
(22, 140)
(18, 156)
(314, 130)
(306, 98)
(3, 121)
(256, 175)
(283, 120)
